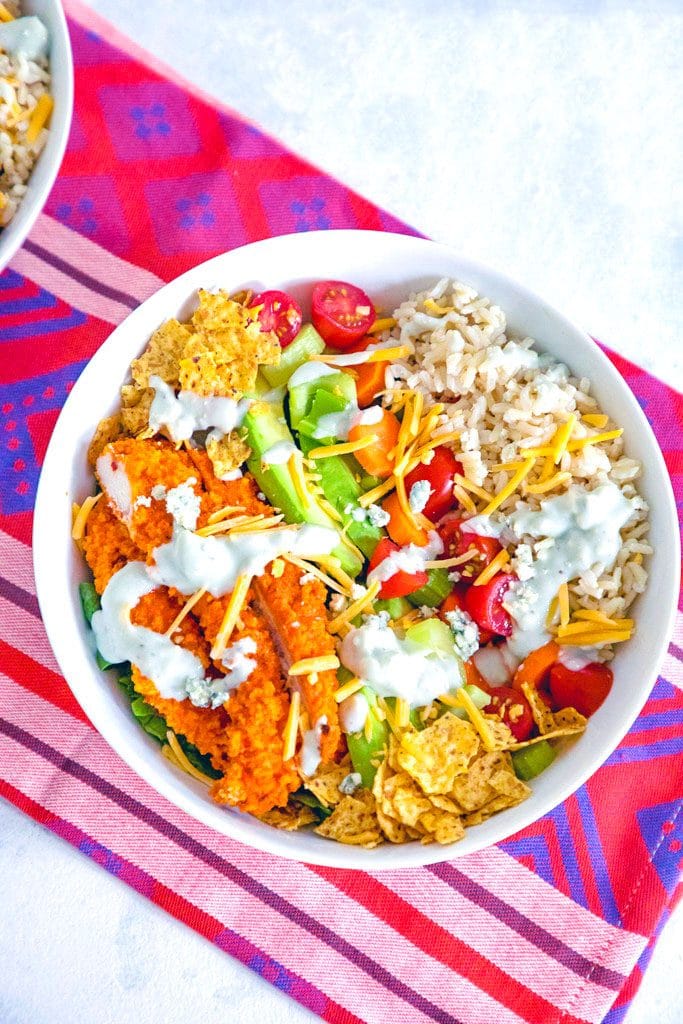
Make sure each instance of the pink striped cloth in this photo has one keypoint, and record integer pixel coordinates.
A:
(554, 925)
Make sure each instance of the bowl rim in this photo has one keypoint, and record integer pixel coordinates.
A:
(13, 236)
(239, 826)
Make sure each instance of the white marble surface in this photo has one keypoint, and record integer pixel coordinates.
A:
(543, 138)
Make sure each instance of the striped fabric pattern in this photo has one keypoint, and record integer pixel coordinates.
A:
(553, 926)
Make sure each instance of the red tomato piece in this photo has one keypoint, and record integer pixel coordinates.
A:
(457, 542)
(280, 313)
(485, 604)
(513, 708)
(584, 689)
(401, 583)
(439, 474)
(341, 313)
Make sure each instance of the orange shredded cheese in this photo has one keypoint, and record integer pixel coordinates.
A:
(492, 568)
(39, 117)
(237, 599)
(322, 663)
(81, 517)
(348, 689)
(185, 610)
(291, 728)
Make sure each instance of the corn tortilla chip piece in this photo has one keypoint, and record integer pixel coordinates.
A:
(353, 822)
(438, 754)
(325, 783)
(551, 725)
(403, 800)
(500, 734)
(225, 349)
(107, 430)
(162, 355)
(227, 453)
(542, 715)
(474, 789)
(135, 406)
(289, 818)
(443, 827)
(569, 719)
(393, 830)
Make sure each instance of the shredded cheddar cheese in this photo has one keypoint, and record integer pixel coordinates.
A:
(563, 604)
(291, 728)
(476, 718)
(5, 14)
(185, 610)
(561, 438)
(183, 761)
(307, 567)
(492, 568)
(467, 485)
(543, 486)
(464, 499)
(355, 608)
(510, 488)
(322, 663)
(346, 448)
(402, 713)
(39, 117)
(596, 419)
(237, 599)
(348, 689)
(81, 517)
(384, 323)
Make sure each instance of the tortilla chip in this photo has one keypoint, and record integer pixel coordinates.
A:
(227, 454)
(438, 754)
(108, 430)
(393, 830)
(225, 349)
(135, 405)
(402, 799)
(551, 724)
(290, 817)
(501, 737)
(353, 822)
(543, 716)
(162, 355)
(443, 827)
(325, 783)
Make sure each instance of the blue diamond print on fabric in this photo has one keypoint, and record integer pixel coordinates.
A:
(28, 410)
(662, 830)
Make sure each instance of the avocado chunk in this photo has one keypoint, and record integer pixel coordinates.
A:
(306, 344)
(303, 394)
(265, 426)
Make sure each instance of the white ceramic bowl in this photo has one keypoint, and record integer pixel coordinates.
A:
(48, 163)
(387, 267)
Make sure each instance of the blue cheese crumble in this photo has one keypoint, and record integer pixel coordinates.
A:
(465, 633)
(350, 783)
(419, 495)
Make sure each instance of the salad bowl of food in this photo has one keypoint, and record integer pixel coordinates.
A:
(36, 82)
(342, 542)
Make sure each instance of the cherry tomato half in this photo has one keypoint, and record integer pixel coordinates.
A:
(584, 689)
(401, 583)
(280, 313)
(341, 313)
(457, 542)
(485, 604)
(439, 474)
(513, 708)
